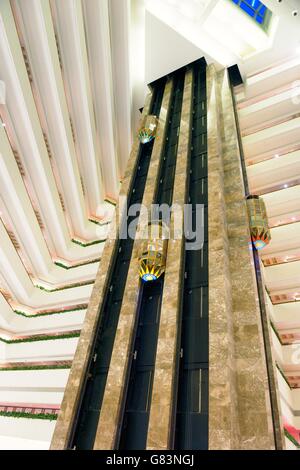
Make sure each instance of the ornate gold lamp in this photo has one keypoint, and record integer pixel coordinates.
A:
(152, 260)
(148, 130)
(259, 227)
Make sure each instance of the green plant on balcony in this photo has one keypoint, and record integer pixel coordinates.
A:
(20, 414)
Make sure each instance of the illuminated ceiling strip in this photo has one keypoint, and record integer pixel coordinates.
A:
(97, 38)
(33, 149)
(67, 23)
(25, 227)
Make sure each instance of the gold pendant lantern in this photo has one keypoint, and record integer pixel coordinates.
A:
(259, 227)
(148, 130)
(152, 261)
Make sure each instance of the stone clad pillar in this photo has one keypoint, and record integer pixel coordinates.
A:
(239, 402)
(223, 421)
(80, 362)
(163, 404)
(109, 421)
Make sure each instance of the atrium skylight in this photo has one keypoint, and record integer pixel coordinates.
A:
(257, 10)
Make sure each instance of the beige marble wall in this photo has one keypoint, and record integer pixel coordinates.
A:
(237, 352)
(223, 420)
(70, 401)
(162, 408)
(109, 421)
(253, 386)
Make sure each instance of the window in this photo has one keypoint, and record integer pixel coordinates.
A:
(257, 10)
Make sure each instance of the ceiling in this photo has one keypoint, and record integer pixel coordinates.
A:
(218, 30)
(67, 118)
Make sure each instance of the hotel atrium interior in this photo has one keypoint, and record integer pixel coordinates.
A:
(157, 101)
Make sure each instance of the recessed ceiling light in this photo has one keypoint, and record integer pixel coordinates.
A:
(285, 185)
(276, 156)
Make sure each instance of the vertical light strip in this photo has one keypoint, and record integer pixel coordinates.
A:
(200, 389)
(201, 302)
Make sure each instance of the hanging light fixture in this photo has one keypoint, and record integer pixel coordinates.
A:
(152, 260)
(148, 130)
(259, 227)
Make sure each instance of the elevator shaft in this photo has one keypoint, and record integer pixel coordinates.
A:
(137, 406)
(85, 426)
(192, 407)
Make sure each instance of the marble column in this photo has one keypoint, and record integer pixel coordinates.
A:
(239, 401)
(109, 421)
(162, 408)
(223, 420)
(80, 362)
(253, 399)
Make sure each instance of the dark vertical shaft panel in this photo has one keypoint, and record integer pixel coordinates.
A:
(192, 406)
